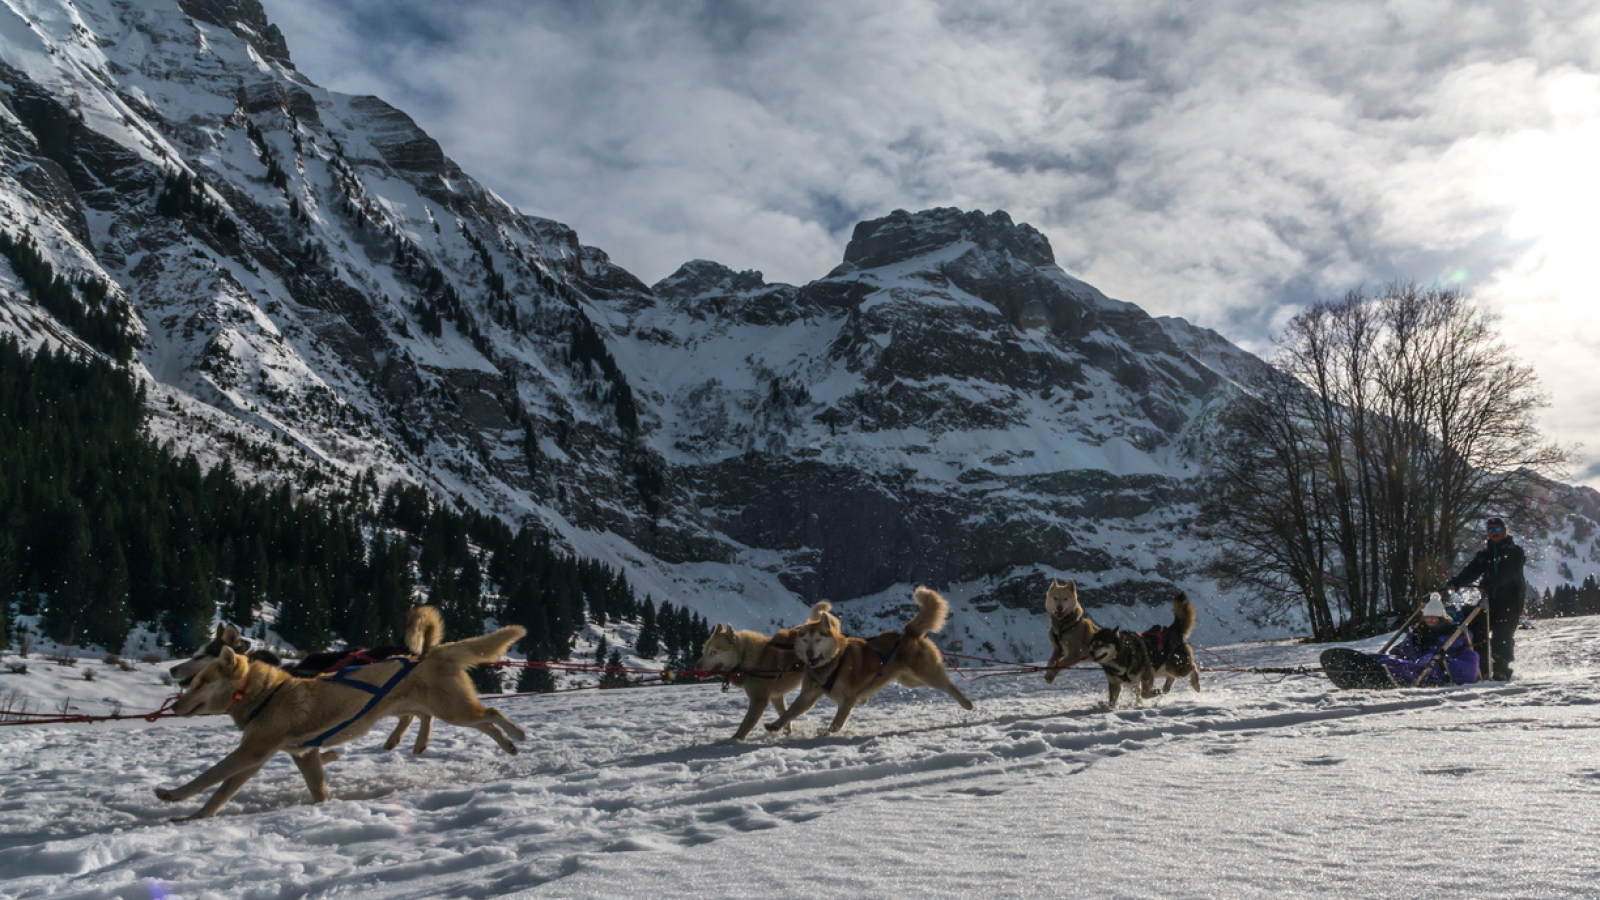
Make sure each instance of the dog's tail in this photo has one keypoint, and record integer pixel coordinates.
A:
(1183, 615)
(930, 618)
(822, 613)
(482, 649)
(424, 629)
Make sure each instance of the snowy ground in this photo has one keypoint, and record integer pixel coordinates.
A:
(1260, 787)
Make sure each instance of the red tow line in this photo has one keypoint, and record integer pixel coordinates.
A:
(27, 718)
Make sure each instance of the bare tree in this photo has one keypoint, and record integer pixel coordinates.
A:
(1348, 474)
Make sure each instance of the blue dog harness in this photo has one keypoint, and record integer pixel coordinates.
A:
(378, 692)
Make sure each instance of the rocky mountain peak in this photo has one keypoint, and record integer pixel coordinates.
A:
(902, 235)
(702, 277)
(709, 290)
(247, 19)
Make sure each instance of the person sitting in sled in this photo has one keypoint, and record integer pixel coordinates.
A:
(1458, 664)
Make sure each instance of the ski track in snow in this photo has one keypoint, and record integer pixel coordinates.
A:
(649, 771)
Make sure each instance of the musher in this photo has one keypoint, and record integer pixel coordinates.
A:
(1497, 571)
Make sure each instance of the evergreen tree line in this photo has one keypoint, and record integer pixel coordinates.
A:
(183, 197)
(1568, 600)
(102, 529)
(83, 305)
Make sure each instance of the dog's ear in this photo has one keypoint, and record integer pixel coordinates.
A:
(227, 656)
(228, 634)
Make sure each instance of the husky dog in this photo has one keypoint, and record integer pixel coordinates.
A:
(765, 667)
(424, 630)
(1162, 652)
(277, 711)
(1070, 629)
(849, 669)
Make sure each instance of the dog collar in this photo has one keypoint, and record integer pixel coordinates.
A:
(243, 688)
(260, 707)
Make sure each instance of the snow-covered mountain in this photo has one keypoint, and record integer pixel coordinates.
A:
(321, 292)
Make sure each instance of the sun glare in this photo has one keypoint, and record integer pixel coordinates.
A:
(1552, 181)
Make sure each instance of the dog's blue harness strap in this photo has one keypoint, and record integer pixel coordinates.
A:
(378, 692)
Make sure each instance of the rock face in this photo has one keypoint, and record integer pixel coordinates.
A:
(946, 406)
(321, 292)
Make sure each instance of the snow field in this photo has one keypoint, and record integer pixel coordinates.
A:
(1260, 786)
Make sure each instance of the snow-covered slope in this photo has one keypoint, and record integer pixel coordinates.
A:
(1258, 787)
(321, 292)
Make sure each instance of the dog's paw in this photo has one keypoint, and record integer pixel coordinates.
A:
(773, 726)
(1050, 677)
(166, 795)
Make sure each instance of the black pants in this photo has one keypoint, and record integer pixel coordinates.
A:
(1498, 635)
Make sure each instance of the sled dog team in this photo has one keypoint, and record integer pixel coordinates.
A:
(333, 698)
(817, 658)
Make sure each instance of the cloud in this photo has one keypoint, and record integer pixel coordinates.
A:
(1227, 162)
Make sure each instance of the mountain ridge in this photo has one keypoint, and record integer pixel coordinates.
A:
(310, 272)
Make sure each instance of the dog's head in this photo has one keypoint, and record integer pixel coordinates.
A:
(821, 639)
(227, 637)
(720, 653)
(1104, 644)
(1061, 600)
(211, 691)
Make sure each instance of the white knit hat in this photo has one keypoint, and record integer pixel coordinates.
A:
(1435, 606)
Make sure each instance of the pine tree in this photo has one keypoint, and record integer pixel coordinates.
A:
(486, 679)
(67, 558)
(8, 579)
(391, 581)
(535, 681)
(111, 619)
(649, 642)
(192, 604)
(303, 618)
(614, 676)
(1588, 601)
(249, 579)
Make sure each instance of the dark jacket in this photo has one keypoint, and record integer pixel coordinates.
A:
(1498, 570)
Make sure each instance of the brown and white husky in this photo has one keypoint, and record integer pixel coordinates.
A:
(424, 629)
(766, 668)
(849, 669)
(1070, 628)
(276, 711)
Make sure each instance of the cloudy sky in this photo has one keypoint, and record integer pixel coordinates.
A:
(1226, 162)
